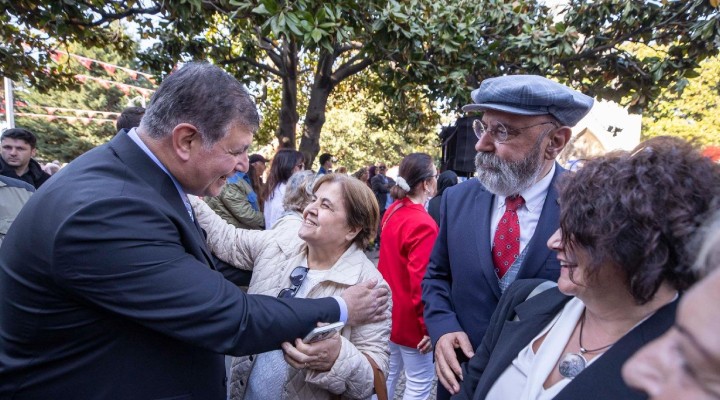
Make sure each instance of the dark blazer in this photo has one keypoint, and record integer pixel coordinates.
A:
(108, 291)
(381, 189)
(460, 288)
(507, 337)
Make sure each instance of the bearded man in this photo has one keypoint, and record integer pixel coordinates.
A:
(494, 229)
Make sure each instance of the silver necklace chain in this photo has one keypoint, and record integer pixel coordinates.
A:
(574, 363)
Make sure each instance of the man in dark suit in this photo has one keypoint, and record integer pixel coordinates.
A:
(526, 123)
(108, 290)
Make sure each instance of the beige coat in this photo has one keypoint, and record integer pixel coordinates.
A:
(273, 255)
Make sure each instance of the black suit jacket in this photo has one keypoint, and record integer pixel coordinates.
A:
(507, 336)
(108, 291)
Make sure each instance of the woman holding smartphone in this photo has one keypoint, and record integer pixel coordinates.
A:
(314, 254)
(408, 233)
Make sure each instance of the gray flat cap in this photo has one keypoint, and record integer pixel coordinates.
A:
(530, 95)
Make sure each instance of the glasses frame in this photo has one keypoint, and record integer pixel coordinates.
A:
(297, 277)
(480, 129)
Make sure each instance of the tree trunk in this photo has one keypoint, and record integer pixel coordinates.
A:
(288, 117)
(315, 116)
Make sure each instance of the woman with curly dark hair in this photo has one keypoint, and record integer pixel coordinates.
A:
(624, 222)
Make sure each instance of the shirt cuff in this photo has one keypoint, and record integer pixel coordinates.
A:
(343, 309)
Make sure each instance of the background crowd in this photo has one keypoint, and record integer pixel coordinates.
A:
(172, 248)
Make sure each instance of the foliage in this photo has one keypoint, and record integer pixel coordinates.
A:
(62, 138)
(416, 57)
(352, 134)
(693, 114)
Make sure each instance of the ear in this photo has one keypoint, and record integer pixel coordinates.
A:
(558, 141)
(352, 233)
(185, 139)
(32, 152)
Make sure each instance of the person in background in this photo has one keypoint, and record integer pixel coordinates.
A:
(14, 193)
(313, 254)
(684, 363)
(408, 234)
(17, 149)
(445, 180)
(285, 163)
(256, 172)
(372, 171)
(259, 163)
(129, 118)
(363, 175)
(381, 185)
(624, 222)
(108, 289)
(238, 203)
(52, 167)
(526, 122)
(341, 170)
(326, 163)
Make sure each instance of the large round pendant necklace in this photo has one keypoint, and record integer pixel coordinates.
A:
(574, 363)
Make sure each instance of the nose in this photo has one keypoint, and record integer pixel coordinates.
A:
(649, 369)
(243, 163)
(555, 241)
(309, 208)
(485, 144)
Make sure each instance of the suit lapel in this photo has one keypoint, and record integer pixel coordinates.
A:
(483, 210)
(532, 316)
(538, 252)
(145, 168)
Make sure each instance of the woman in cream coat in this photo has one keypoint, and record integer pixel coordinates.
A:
(328, 239)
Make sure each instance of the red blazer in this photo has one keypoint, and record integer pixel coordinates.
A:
(407, 238)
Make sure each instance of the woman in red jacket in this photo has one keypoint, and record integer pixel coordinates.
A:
(408, 234)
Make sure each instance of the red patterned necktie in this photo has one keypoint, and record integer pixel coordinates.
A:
(506, 244)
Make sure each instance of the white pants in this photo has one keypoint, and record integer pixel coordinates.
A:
(419, 372)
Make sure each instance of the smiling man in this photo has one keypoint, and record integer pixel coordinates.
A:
(494, 228)
(17, 148)
(109, 291)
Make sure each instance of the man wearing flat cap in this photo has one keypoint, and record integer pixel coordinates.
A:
(494, 229)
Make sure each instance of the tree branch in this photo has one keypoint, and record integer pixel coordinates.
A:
(271, 50)
(347, 47)
(619, 40)
(252, 62)
(352, 67)
(109, 17)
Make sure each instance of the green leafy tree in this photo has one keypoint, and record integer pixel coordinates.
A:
(417, 56)
(693, 114)
(65, 134)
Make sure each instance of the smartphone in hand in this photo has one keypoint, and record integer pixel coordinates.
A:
(322, 332)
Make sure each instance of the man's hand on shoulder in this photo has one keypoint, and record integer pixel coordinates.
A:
(366, 303)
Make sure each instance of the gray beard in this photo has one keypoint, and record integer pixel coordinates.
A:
(507, 178)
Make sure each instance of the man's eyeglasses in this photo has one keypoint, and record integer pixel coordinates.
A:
(382, 167)
(499, 133)
(297, 276)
